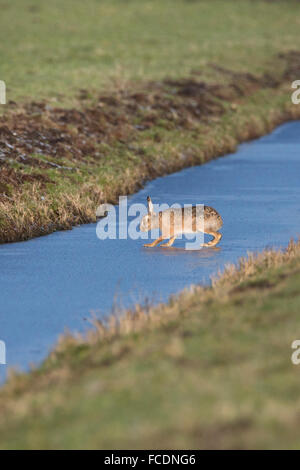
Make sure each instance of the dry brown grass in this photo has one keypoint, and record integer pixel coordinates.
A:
(231, 341)
(34, 211)
(37, 198)
(141, 318)
(108, 334)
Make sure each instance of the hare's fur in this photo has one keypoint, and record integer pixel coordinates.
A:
(174, 222)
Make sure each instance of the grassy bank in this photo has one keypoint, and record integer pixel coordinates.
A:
(92, 115)
(102, 97)
(212, 369)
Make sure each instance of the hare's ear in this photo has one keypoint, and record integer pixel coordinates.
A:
(150, 205)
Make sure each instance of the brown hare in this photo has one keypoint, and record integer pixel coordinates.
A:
(175, 222)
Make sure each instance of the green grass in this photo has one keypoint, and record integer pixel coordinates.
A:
(210, 370)
(52, 49)
(69, 198)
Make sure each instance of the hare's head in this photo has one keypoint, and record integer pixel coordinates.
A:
(149, 221)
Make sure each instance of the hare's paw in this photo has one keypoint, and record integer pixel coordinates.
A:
(170, 243)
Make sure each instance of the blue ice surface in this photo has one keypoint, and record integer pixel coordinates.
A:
(52, 283)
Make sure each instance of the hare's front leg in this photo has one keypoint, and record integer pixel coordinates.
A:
(156, 242)
(170, 242)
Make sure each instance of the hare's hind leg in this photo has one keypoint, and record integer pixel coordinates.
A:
(217, 237)
(170, 242)
(156, 242)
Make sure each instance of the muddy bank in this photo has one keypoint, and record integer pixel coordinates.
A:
(42, 146)
(75, 133)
